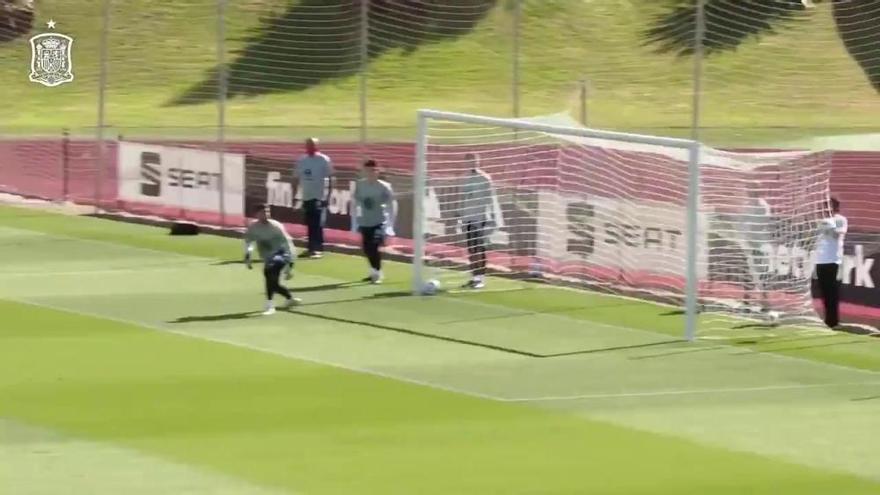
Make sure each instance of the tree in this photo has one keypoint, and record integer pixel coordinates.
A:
(16, 18)
(729, 23)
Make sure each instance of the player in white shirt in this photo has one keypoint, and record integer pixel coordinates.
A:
(276, 250)
(829, 255)
(314, 174)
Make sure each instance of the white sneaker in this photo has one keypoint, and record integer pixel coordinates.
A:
(269, 311)
(293, 301)
(376, 277)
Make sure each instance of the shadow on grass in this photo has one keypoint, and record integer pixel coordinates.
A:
(754, 326)
(232, 262)
(326, 287)
(805, 347)
(378, 295)
(864, 399)
(467, 342)
(730, 23)
(220, 317)
(314, 41)
(549, 311)
(674, 312)
(630, 347)
(689, 350)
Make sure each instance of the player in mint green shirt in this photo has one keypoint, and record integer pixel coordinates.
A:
(314, 173)
(376, 211)
(277, 252)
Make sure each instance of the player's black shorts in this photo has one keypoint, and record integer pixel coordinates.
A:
(374, 235)
(278, 260)
(475, 233)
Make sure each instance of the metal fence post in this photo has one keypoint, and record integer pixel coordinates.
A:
(584, 99)
(102, 89)
(517, 19)
(693, 200)
(364, 64)
(65, 164)
(222, 82)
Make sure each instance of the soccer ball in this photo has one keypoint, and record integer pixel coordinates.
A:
(773, 318)
(431, 287)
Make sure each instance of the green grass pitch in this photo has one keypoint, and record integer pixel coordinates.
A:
(134, 362)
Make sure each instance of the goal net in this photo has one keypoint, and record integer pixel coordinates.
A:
(608, 212)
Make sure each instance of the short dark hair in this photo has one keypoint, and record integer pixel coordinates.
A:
(835, 203)
(260, 207)
(370, 164)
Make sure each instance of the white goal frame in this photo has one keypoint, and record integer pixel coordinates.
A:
(693, 196)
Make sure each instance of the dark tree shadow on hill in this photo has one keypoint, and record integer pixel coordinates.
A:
(16, 19)
(730, 23)
(314, 41)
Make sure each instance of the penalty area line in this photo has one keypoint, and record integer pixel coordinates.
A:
(265, 350)
(669, 393)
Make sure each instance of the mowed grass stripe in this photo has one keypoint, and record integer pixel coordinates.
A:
(315, 429)
(841, 349)
(37, 461)
(756, 422)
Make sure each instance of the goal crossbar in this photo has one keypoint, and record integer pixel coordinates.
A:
(521, 124)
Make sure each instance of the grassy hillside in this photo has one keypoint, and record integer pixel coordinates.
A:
(161, 51)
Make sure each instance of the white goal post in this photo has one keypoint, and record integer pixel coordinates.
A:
(655, 218)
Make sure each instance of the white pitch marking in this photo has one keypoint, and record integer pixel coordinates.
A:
(663, 393)
(110, 271)
(568, 318)
(651, 332)
(288, 355)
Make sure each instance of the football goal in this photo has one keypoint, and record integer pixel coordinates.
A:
(658, 219)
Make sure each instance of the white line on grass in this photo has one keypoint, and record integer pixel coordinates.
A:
(110, 271)
(170, 254)
(664, 393)
(288, 355)
(496, 306)
(655, 333)
(433, 385)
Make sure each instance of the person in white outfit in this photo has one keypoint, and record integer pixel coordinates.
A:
(832, 232)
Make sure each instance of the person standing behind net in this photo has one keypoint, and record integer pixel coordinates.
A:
(314, 172)
(477, 218)
(376, 215)
(757, 228)
(832, 232)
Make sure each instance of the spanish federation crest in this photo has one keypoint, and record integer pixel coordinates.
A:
(51, 62)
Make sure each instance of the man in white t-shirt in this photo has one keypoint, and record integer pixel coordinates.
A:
(829, 255)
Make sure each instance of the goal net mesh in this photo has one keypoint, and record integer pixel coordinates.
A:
(610, 215)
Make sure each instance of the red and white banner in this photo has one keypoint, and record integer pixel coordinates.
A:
(641, 239)
(187, 178)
